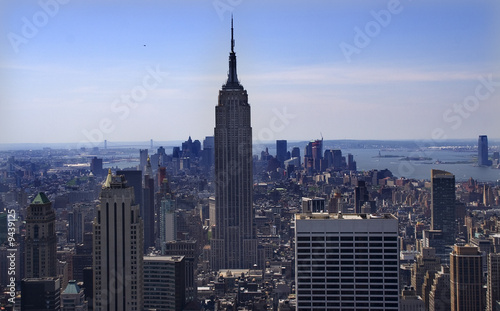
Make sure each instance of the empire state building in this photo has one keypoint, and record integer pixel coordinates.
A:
(234, 243)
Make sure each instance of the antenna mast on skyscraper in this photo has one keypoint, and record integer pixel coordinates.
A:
(232, 40)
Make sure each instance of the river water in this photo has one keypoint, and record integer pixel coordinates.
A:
(367, 159)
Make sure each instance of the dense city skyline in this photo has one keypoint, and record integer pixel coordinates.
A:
(212, 226)
(344, 70)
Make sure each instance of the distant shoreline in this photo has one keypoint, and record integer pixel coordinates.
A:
(392, 145)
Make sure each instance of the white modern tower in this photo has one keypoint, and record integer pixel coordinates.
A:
(346, 262)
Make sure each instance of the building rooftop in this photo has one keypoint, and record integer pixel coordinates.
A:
(163, 258)
(306, 216)
(41, 198)
(441, 174)
(72, 288)
(227, 273)
(114, 181)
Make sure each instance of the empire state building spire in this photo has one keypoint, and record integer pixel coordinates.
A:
(232, 38)
(232, 77)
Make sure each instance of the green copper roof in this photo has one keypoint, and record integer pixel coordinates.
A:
(72, 288)
(41, 198)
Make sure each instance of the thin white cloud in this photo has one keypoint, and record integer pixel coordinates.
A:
(340, 74)
(334, 75)
(41, 68)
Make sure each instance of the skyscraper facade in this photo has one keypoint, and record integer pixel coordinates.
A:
(493, 284)
(317, 153)
(466, 279)
(424, 262)
(148, 207)
(118, 248)
(443, 204)
(410, 301)
(143, 159)
(361, 196)
(234, 243)
(40, 294)
(439, 297)
(313, 156)
(96, 166)
(281, 149)
(75, 225)
(346, 262)
(207, 154)
(40, 241)
(296, 153)
(168, 221)
(482, 151)
(134, 180)
(337, 159)
(351, 164)
(189, 251)
(164, 283)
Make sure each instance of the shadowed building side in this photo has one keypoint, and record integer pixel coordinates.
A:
(443, 204)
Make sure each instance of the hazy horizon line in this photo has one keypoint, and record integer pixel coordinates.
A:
(175, 142)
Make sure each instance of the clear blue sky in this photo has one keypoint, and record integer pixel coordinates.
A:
(76, 71)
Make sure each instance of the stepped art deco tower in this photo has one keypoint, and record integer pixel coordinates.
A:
(234, 243)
